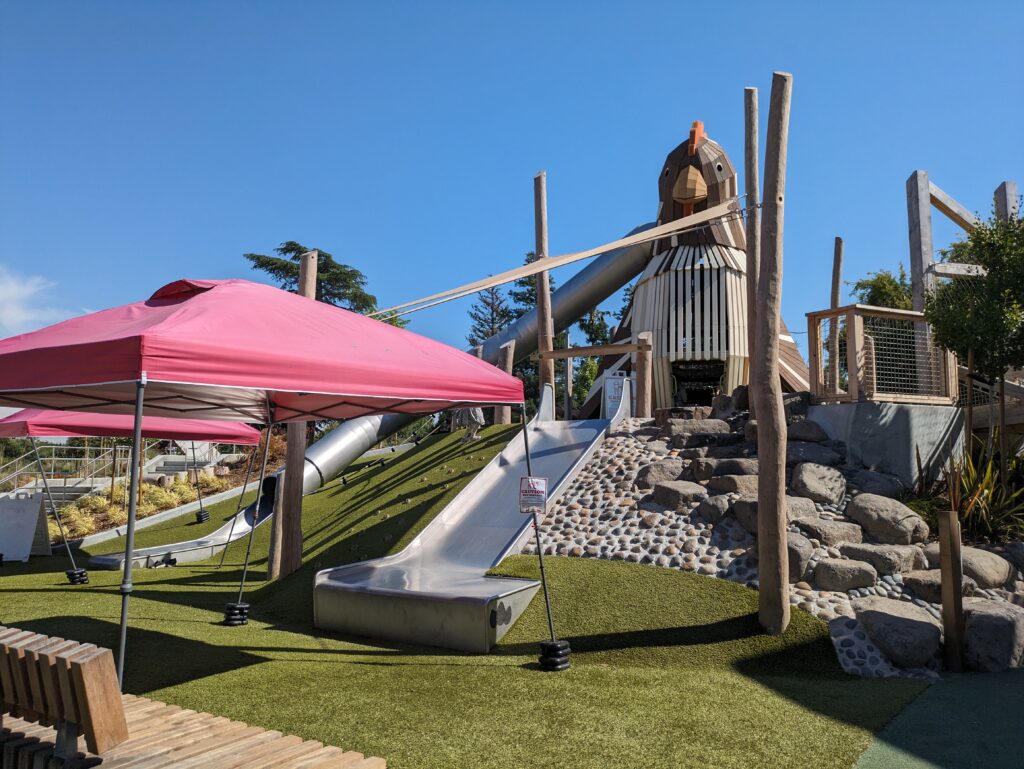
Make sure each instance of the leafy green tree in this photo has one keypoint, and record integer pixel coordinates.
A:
(489, 314)
(337, 284)
(594, 326)
(884, 289)
(524, 297)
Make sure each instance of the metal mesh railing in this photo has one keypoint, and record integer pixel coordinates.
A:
(875, 353)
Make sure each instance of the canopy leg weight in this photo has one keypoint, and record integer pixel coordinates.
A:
(236, 614)
(77, 576)
(554, 656)
(202, 516)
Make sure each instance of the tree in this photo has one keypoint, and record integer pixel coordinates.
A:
(594, 326)
(336, 284)
(884, 289)
(524, 297)
(489, 314)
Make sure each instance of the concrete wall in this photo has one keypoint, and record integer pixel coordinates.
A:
(887, 436)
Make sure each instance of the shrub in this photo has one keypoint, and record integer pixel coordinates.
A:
(156, 498)
(77, 522)
(184, 491)
(989, 506)
(117, 516)
(94, 504)
(211, 484)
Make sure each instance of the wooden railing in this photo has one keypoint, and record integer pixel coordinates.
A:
(865, 353)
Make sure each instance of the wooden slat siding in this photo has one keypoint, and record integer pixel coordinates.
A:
(715, 346)
(99, 700)
(814, 351)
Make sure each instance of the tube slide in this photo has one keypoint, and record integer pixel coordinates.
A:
(329, 456)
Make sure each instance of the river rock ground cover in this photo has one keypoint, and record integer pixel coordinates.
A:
(669, 668)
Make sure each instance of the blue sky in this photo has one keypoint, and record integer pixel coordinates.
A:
(143, 142)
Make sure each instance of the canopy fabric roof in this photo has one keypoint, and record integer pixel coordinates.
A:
(41, 423)
(225, 349)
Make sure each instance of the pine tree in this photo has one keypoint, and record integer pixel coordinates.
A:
(594, 326)
(336, 284)
(489, 314)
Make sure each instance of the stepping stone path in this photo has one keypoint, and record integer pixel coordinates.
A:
(680, 492)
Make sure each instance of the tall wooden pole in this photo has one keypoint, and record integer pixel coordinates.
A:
(773, 556)
(919, 223)
(644, 375)
(568, 388)
(506, 358)
(1007, 203)
(286, 535)
(545, 323)
(752, 186)
(833, 332)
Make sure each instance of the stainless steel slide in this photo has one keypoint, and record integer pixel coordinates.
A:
(329, 456)
(436, 592)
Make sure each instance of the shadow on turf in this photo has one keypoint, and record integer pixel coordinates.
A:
(154, 660)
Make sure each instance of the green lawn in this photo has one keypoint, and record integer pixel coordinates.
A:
(669, 669)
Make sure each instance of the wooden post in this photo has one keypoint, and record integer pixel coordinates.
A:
(568, 388)
(854, 354)
(969, 406)
(1007, 201)
(773, 556)
(644, 375)
(752, 187)
(951, 567)
(286, 534)
(833, 336)
(506, 355)
(919, 221)
(545, 323)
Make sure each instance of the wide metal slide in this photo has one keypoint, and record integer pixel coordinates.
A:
(436, 592)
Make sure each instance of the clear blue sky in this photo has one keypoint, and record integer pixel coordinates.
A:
(143, 142)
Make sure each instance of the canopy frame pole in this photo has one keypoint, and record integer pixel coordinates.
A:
(554, 654)
(237, 612)
(75, 575)
(133, 509)
(201, 515)
(238, 507)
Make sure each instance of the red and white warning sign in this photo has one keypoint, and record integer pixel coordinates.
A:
(533, 495)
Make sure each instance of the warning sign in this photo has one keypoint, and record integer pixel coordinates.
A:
(533, 495)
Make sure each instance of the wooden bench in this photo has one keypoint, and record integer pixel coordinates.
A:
(54, 692)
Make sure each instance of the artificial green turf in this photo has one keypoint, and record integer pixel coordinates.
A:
(669, 668)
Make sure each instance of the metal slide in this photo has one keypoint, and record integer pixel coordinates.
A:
(328, 457)
(436, 592)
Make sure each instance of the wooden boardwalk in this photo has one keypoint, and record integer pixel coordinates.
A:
(162, 735)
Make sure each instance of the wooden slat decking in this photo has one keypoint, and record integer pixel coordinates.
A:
(162, 735)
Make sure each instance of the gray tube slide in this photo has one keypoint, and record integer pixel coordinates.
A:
(329, 456)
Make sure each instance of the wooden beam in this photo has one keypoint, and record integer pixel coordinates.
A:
(506, 358)
(773, 554)
(286, 532)
(957, 270)
(1007, 200)
(951, 575)
(644, 375)
(833, 337)
(955, 212)
(545, 323)
(752, 188)
(596, 351)
(919, 223)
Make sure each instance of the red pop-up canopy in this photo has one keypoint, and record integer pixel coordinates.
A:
(41, 423)
(221, 349)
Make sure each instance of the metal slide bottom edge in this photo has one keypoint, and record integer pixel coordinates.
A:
(436, 591)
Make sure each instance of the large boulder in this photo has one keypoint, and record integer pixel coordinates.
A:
(731, 451)
(871, 482)
(887, 559)
(677, 495)
(841, 575)
(676, 427)
(993, 635)
(736, 484)
(926, 584)
(830, 533)
(1014, 553)
(905, 633)
(803, 451)
(800, 551)
(744, 510)
(806, 430)
(887, 520)
(713, 509)
(818, 482)
(796, 404)
(658, 472)
(705, 469)
(987, 569)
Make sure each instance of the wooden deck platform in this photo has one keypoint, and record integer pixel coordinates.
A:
(164, 735)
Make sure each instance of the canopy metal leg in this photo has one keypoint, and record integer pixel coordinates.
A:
(554, 654)
(75, 575)
(237, 612)
(201, 515)
(129, 546)
(238, 508)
